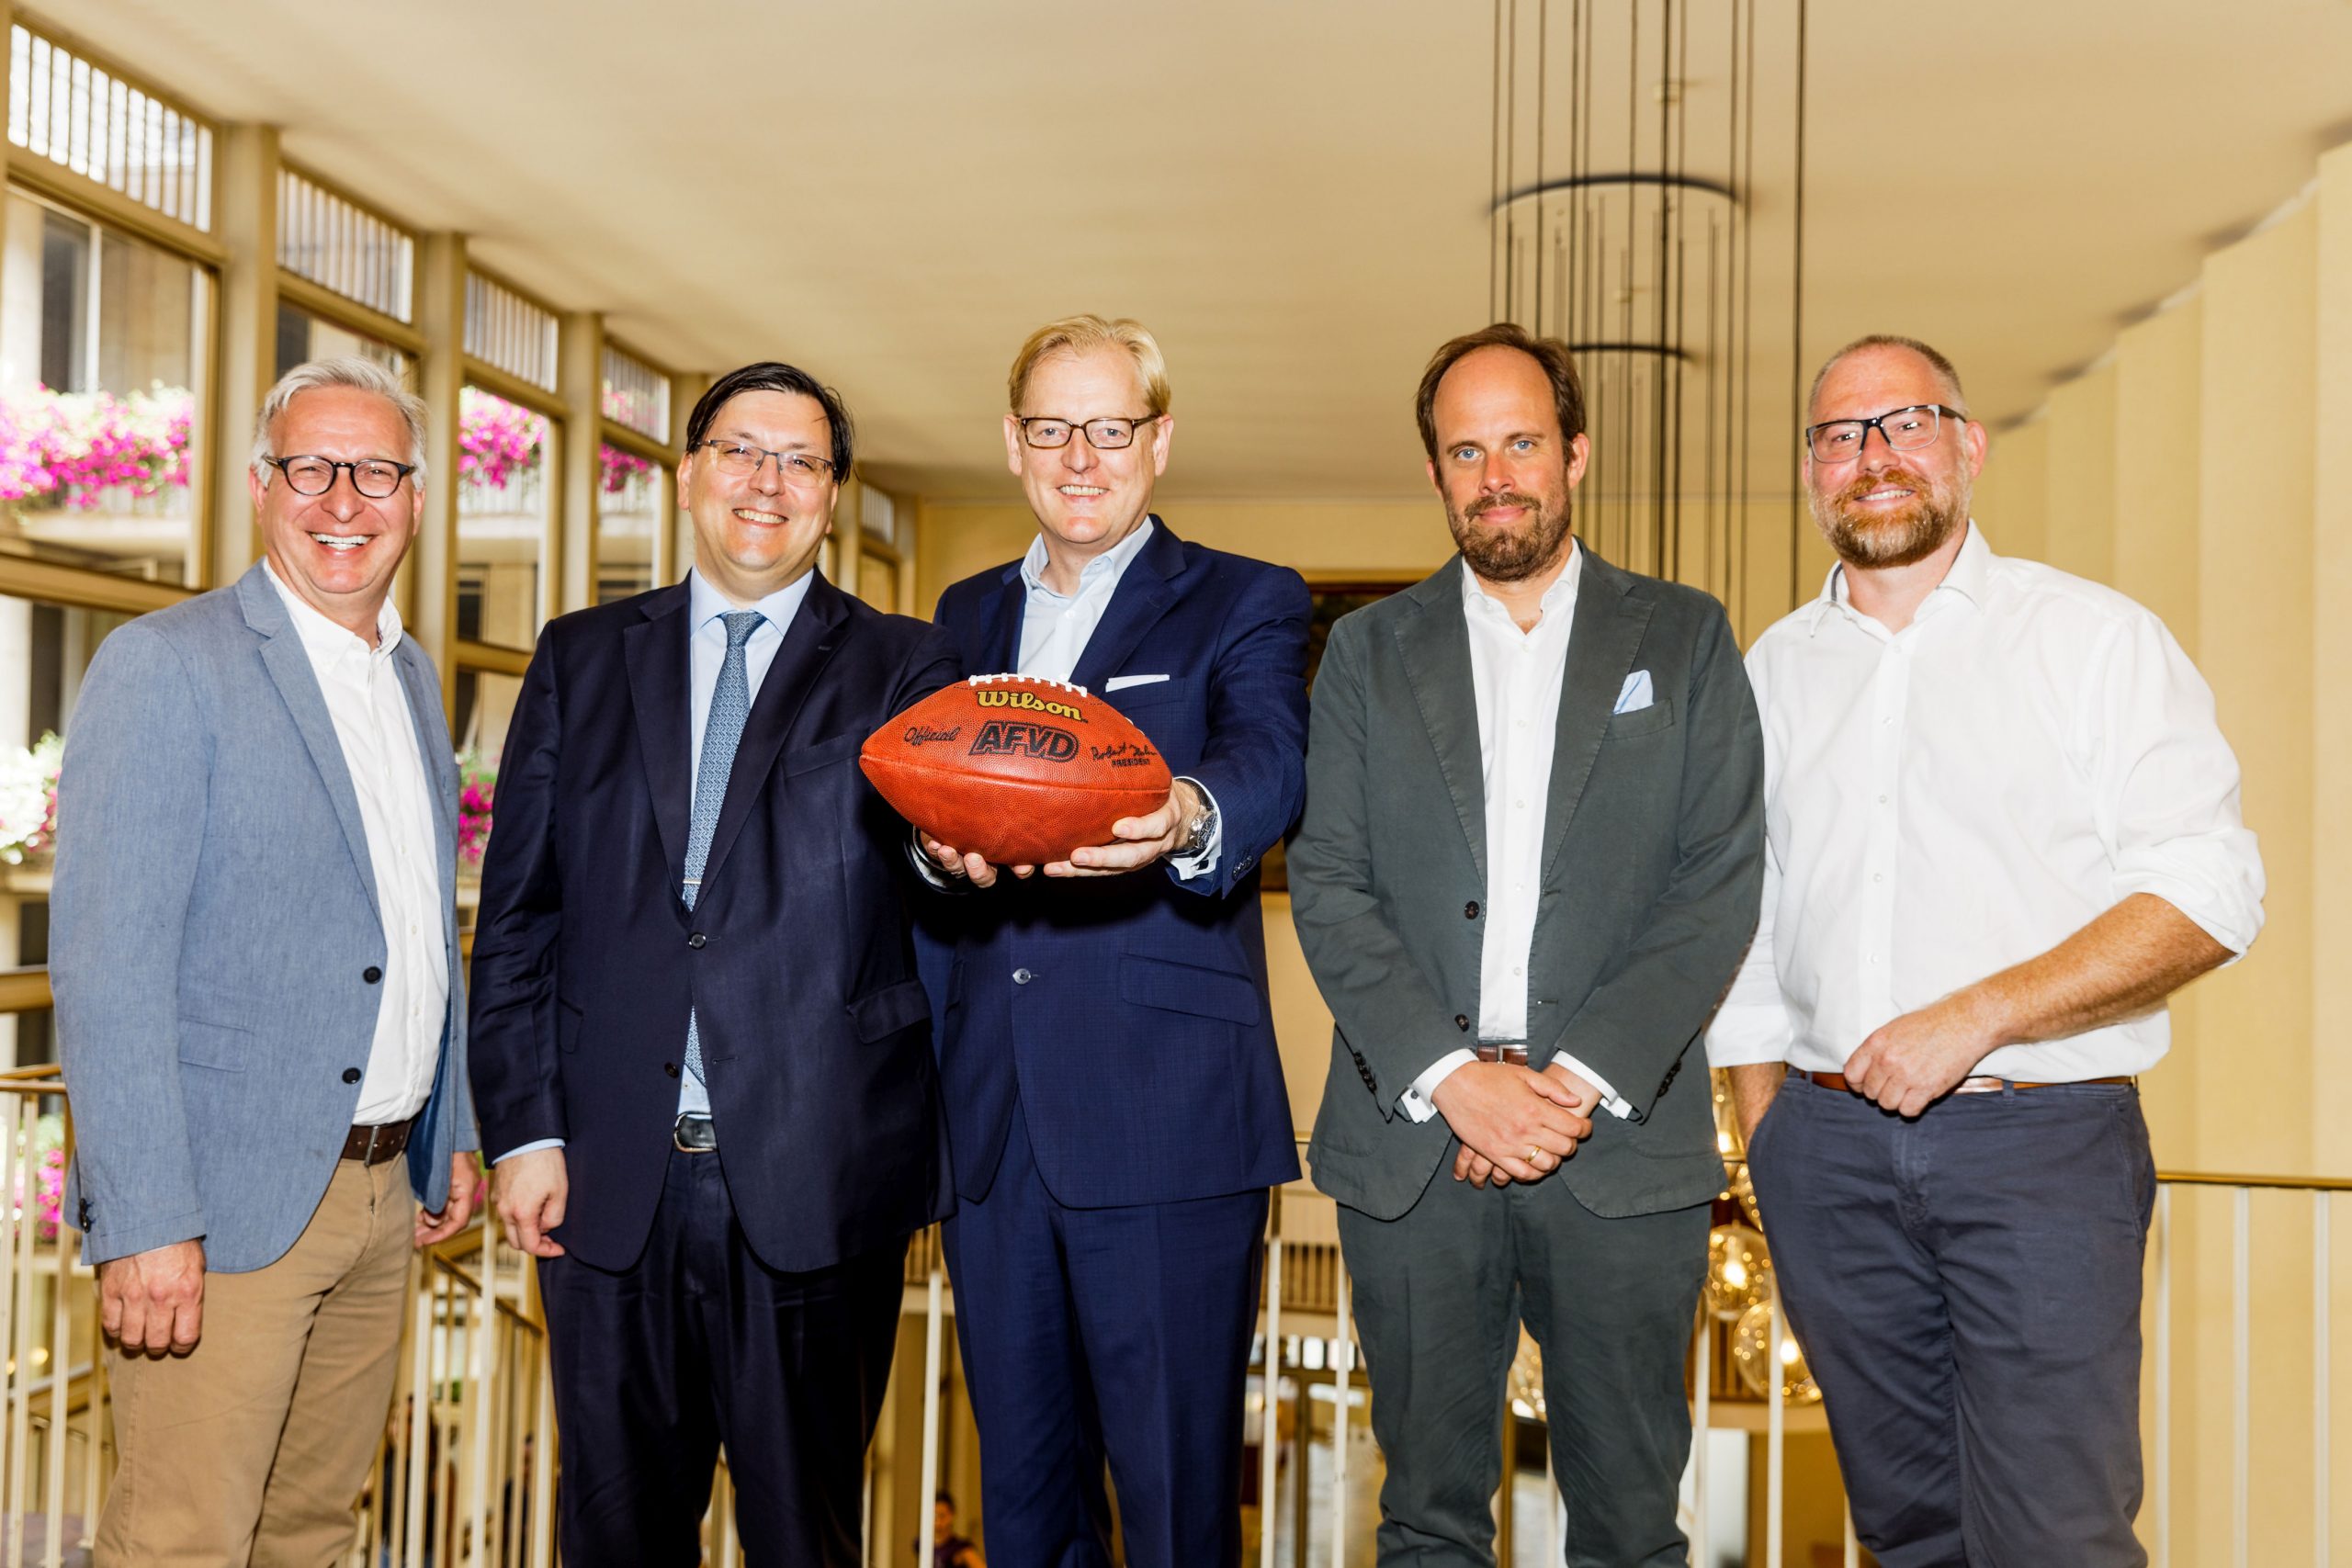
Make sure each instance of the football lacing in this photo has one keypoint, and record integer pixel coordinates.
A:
(1032, 680)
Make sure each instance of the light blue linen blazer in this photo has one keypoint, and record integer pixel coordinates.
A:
(213, 929)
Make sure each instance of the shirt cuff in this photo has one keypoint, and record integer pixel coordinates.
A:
(1188, 867)
(1419, 1102)
(528, 1149)
(1616, 1104)
(928, 869)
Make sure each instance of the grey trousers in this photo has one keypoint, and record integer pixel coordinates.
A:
(1966, 1289)
(1439, 1295)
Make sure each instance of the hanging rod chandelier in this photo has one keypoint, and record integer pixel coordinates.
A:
(1646, 204)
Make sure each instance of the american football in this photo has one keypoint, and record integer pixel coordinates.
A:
(1018, 770)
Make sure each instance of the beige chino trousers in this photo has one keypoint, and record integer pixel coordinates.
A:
(251, 1449)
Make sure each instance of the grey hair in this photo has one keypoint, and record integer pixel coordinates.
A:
(348, 370)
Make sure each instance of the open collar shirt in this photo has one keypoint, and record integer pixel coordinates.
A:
(377, 731)
(1947, 801)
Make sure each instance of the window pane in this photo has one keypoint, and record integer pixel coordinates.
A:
(636, 394)
(485, 704)
(634, 496)
(102, 363)
(505, 453)
(44, 651)
(302, 337)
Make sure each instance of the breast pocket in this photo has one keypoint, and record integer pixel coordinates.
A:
(1658, 716)
(1133, 700)
(823, 754)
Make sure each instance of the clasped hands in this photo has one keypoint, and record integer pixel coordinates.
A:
(1515, 1124)
(1135, 843)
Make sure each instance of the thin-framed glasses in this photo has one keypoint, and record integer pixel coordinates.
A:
(374, 477)
(743, 460)
(1103, 435)
(1904, 430)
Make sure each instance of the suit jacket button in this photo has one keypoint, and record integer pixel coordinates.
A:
(1462, 1022)
(670, 1068)
(1470, 910)
(697, 939)
(372, 974)
(1022, 977)
(351, 1075)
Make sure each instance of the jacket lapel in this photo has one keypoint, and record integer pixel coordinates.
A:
(660, 691)
(1601, 647)
(423, 693)
(1145, 592)
(1435, 644)
(1000, 642)
(817, 629)
(288, 664)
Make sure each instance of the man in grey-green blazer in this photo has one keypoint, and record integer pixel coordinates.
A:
(1531, 858)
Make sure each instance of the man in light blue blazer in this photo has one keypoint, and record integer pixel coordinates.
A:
(259, 1004)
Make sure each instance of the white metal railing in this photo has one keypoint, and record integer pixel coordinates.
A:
(467, 1471)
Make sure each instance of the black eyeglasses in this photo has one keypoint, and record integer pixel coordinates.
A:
(374, 477)
(1103, 434)
(1904, 430)
(743, 460)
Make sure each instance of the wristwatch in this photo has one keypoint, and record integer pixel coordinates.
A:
(1202, 828)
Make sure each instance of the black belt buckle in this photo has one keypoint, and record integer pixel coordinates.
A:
(695, 1134)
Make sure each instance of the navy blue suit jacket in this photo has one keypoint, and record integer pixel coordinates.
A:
(1140, 1046)
(797, 957)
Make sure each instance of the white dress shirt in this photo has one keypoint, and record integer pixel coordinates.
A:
(1947, 801)
(706, 655)
(377, 731)
(1516, 676)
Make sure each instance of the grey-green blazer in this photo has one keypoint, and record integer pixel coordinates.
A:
(1653, 868)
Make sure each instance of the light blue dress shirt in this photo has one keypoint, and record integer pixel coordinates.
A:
(707, 650)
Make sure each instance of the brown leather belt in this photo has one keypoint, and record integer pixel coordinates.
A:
(1514, 1051)
(375, 1144)
(1965, 1086)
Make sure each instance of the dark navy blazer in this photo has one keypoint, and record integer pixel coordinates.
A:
(1128, 1014)
(797, 957)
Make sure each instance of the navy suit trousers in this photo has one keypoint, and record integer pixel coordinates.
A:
(1966, 1289)
(699, 1344)
(1123, 1332)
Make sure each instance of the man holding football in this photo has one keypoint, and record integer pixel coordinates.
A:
(1114, 1099)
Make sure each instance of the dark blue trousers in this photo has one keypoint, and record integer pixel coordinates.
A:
(699, 1344)
(1966, 1289)
(1088, 1333)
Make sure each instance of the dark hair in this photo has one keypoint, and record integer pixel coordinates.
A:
(768, 375)
(1559, 368)
(944, 1495)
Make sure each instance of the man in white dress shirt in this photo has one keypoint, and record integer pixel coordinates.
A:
(2003, 829)
(1528, 867)
(258, 999)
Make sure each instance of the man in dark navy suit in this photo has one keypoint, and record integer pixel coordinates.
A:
(1114, 1098)
(703, 1056)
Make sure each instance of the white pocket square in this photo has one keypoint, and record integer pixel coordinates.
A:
(1121, 683)
(1635, 694)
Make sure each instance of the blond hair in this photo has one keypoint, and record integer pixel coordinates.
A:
(1083, 334)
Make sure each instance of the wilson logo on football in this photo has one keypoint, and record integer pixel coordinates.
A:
(1029, 700)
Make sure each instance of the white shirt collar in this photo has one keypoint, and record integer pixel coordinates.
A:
(1112, 562)
(1968, 575)
(1477, 601)
(327, 642)
(705, 604)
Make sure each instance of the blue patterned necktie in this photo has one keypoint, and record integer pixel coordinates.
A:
(731, 704)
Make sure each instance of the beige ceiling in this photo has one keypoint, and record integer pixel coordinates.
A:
(1293, 193)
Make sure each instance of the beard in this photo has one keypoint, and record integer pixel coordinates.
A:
(1513, 554)
(1909, 535)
